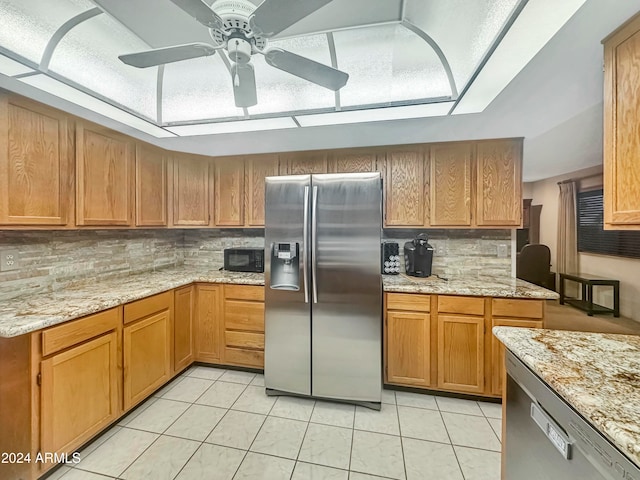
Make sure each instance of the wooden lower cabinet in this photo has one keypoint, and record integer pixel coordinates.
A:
(461, 353)
(79, 393)
(183, 313)
(445, 342)
(408, 348)
(244, 325)
(209, 323)
(146, 346)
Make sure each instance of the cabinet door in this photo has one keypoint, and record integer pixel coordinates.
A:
(151, 187)
(304, 163)
(104, 166)
(79, 393)
(256, 169)
(405, 197)
(499, 183)
(461, 353)
(450, 185)
(36, 175)
(183, 328)
(353, 161)
(497, 349)
(228, 177)
(621, 120)
(190, 191)
(147, 356)
(209, 323)
(408, 353)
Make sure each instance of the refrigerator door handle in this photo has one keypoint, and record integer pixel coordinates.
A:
(314, 235)
(305, 240)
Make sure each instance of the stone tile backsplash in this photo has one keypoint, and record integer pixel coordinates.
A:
(458, 252)
(52, 260)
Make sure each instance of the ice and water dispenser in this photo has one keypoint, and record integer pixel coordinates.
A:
(285, 263)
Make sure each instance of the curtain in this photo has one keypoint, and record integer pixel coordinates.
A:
(567, 253)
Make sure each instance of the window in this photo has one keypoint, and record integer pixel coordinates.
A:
(592, 238)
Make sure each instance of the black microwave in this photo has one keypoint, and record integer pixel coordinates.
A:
(244, 259)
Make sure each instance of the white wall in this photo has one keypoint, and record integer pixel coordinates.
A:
(545, 193)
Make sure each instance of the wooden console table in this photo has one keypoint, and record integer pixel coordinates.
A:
(586, 303)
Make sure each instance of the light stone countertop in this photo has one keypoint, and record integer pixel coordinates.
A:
(472, 285)
(598, 374)
(27, 314)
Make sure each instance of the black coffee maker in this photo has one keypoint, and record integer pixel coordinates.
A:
(418, 256)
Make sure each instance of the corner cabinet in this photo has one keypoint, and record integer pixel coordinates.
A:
(621, 125)
(36, 164)
(228, 190)
(190, 192)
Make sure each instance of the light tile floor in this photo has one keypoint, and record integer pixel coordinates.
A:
(218, 424)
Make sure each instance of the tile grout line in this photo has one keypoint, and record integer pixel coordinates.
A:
(455, 454)
(404, 461)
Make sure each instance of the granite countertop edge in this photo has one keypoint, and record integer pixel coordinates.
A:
(26, 314)
(598, 374)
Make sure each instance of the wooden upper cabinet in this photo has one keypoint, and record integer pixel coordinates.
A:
(104, 169)
(621, 127)
(191, 201)
(405, 199)
(151, 186)
(304, 163)
(353, 161)
(36, 171)
(228, 188)
(499, 182)
(450, 184)
(256, 169)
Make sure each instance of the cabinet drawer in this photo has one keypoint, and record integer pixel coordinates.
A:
(412, 302)
(464, 305)
(510, 307)
(147, 306)
(244, 340)
(248, 358)
(240, 315)
(244, 292)
(72, 333)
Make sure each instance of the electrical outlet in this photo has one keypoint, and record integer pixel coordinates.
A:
(10, 260)
(502, 251)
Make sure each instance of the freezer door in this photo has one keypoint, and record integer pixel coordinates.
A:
(287, 365)
(347, 293)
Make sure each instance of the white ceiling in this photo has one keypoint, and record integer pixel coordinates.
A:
(555, 103)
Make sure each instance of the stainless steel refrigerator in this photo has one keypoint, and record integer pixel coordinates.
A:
(323, 286)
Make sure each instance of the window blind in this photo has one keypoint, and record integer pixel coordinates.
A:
(592, 238)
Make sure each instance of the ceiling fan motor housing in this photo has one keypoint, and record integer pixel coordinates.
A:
(235, 14)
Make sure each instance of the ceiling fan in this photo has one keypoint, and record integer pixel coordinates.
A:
(242, 30)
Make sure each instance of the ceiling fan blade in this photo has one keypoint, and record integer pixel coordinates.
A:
(244, 85)
(201, 12)
(306, 68)
(274, 16)
(160, 56)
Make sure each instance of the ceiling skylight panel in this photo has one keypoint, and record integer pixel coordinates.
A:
(388, 64)
(279, 91)
(88, 56)
(26, 26)
(464, 30)
(198, 89)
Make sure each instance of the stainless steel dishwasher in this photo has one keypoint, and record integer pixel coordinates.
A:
(547, 439)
